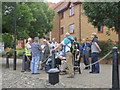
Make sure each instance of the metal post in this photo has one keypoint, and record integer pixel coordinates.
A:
(14, 63)
(23, 63)
(53, 72)
(115, 69)
(7, 60)
(53, 59)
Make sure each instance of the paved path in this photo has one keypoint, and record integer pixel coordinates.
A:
(0, 73)
(17, 79)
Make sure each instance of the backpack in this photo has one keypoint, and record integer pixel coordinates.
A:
(74, 46)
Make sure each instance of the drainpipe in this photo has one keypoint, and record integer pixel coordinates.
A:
(80, 21)
(59, 27)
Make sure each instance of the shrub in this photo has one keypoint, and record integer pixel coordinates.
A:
(106, 47)
(20, 52)
(8, 40)
(11, 52)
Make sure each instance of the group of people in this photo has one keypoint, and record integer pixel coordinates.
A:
(37, 53)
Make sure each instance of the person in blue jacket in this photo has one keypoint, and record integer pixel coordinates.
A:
(85, 53)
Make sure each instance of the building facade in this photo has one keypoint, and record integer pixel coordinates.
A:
(69, 17)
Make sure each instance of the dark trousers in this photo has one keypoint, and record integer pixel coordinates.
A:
(95, 67)
(86, 58)
(28, 62)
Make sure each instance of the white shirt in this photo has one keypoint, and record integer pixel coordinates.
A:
(67, 47)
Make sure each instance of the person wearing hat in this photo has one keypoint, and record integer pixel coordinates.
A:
(35, 49)
(95, 49)
(67, 43)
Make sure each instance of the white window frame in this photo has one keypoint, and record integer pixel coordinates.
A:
(72, 28)
(71, 10)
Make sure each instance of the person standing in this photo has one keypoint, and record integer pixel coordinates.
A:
(69, 56)
(28, 56)
(77, 52)
(95, 49)
(35, 49)
(85, 53)
(54, 43)
(45, 52)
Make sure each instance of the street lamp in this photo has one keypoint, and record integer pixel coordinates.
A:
(14, 63)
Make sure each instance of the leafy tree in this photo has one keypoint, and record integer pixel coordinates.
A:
(33, 19)
(104, 14)
(44, 16)
(23, 18)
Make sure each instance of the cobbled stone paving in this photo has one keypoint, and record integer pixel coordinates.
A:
(17, 79)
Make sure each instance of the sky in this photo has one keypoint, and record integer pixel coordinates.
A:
(53, 1)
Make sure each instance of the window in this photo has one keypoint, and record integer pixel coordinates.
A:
(100, 29)
(61, 30)
(71, 28)
(71, 11)
(62, 15)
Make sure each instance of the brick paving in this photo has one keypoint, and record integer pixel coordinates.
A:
(17, 79)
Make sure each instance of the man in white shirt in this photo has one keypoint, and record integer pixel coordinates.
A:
(67, 43)
(54, 43)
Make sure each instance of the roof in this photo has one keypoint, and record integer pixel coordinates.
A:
(51, 5)
(65, 7)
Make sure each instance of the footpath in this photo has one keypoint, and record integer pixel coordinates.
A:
(17, 79)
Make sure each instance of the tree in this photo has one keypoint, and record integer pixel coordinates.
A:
(33, 19)
(44, 17)
(104, 14)
(23, 18)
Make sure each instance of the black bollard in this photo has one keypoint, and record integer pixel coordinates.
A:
(115, 69)
(7, 60)
(14, 61)
(53, 59)
(54, 72)
(23, 63)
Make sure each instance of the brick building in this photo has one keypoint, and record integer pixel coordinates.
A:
(69, 17)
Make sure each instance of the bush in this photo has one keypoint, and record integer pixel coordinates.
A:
(10, 51)
(8, 40)
(20, 52)
(106, 47)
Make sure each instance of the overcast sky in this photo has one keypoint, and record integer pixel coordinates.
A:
(54, 1)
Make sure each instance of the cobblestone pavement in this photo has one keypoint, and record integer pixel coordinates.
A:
(16, 79)
(0, 73)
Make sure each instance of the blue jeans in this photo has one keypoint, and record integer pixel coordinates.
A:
(95, 68)
(34, 64)
(86, 58)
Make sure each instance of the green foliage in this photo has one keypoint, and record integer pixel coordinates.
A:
(103, 14)
(23, 18)
(20, 52)
(10, 52)
(106, 47)
(32, 19)
(44, 16)
(8, 40)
